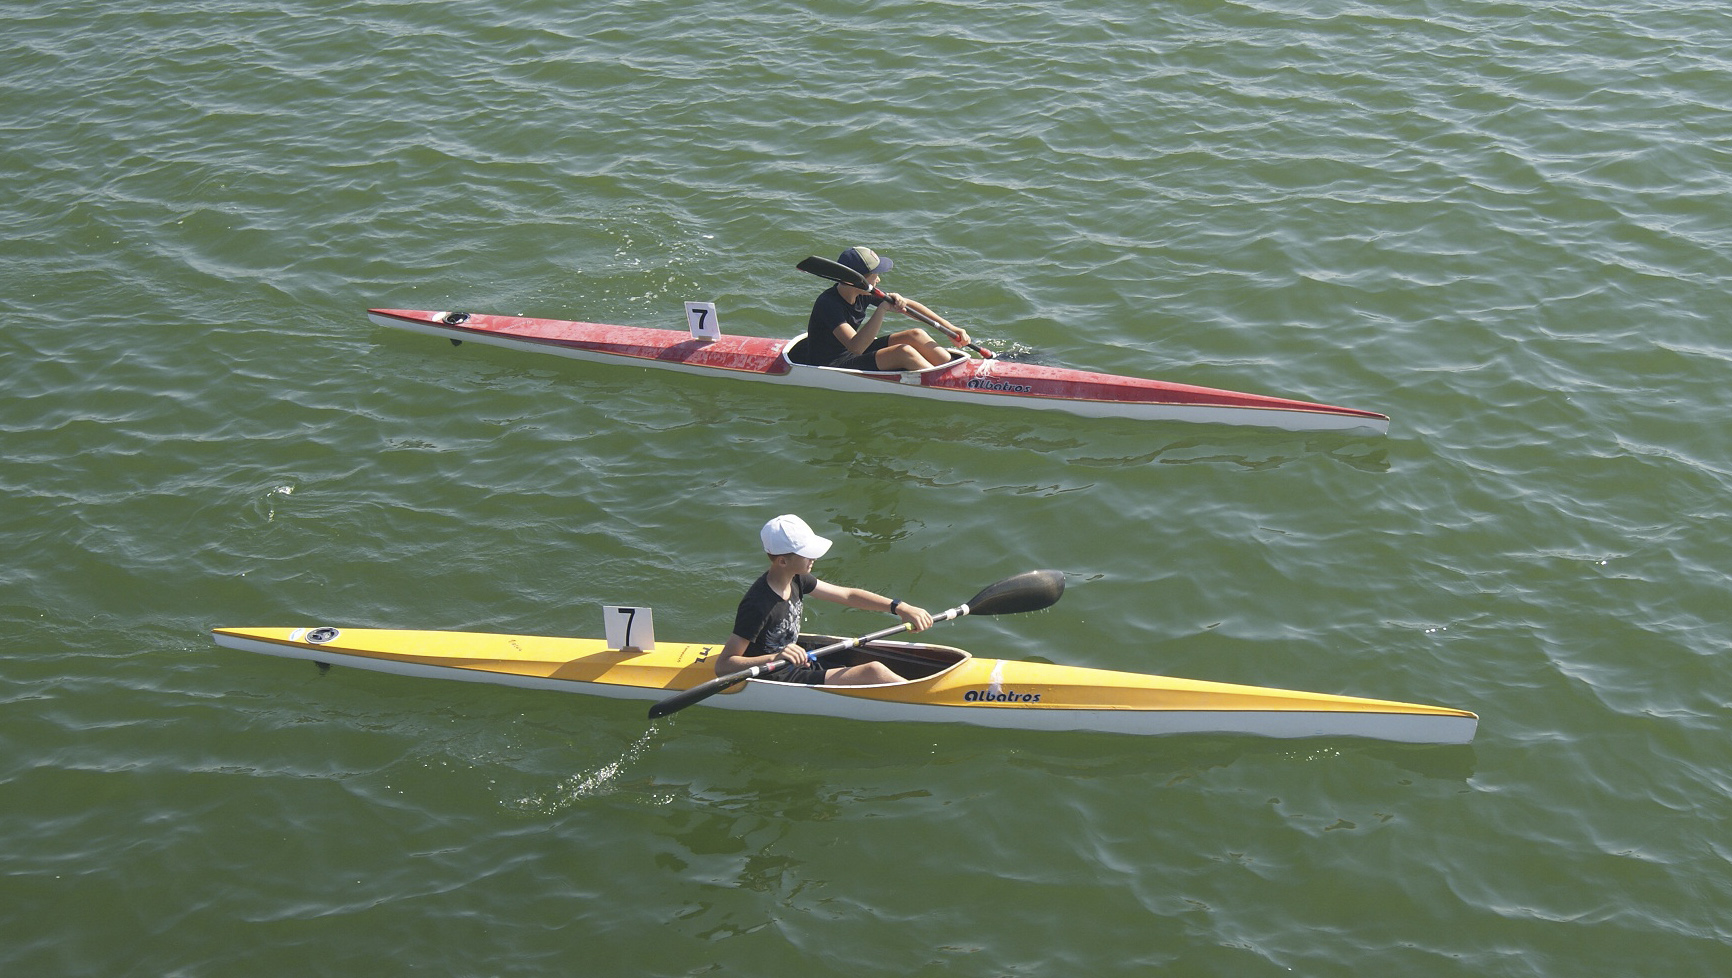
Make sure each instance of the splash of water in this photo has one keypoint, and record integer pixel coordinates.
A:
(589, 783)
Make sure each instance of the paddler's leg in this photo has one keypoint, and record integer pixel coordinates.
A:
(868, 673)
(923, 343)
(900, 356)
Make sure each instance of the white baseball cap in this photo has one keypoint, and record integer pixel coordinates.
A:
(790, 535)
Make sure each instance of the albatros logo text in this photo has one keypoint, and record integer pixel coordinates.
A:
(988, 384)
(991, 696)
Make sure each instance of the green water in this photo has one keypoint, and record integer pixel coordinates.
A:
(1505, 225)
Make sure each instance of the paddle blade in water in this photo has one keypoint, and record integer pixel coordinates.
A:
(1028, 591)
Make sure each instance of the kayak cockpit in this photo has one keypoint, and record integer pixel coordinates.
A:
(788, 359)
(913, 661)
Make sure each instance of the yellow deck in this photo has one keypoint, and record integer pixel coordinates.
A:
(995, 684)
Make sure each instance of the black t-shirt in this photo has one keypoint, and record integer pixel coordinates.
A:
(768, 622)
(821, 347)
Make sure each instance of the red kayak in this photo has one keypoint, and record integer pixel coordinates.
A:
(983, 381)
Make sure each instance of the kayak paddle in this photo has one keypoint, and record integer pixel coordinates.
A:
(1028, 591)
(838, 272)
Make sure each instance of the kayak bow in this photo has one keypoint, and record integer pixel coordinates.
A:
(941, 684)
(962, 380)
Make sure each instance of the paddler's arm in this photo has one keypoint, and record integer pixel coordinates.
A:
(734, 657)
(902, 302)
(865, 600)
(858, 341)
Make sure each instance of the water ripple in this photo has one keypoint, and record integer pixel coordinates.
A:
(1500, 223)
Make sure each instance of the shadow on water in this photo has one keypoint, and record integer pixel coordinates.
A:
(1180, 756)
(1104, 444)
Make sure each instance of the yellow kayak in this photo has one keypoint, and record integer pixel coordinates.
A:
(940, 684)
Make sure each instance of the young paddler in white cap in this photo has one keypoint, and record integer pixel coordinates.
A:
(767, 624)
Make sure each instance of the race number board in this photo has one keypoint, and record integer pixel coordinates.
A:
(701, 317)
(629, 627)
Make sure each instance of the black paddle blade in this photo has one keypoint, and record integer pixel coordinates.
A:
(834, 271)
(1028, 591)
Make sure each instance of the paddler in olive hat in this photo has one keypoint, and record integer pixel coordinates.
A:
(843, 330)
